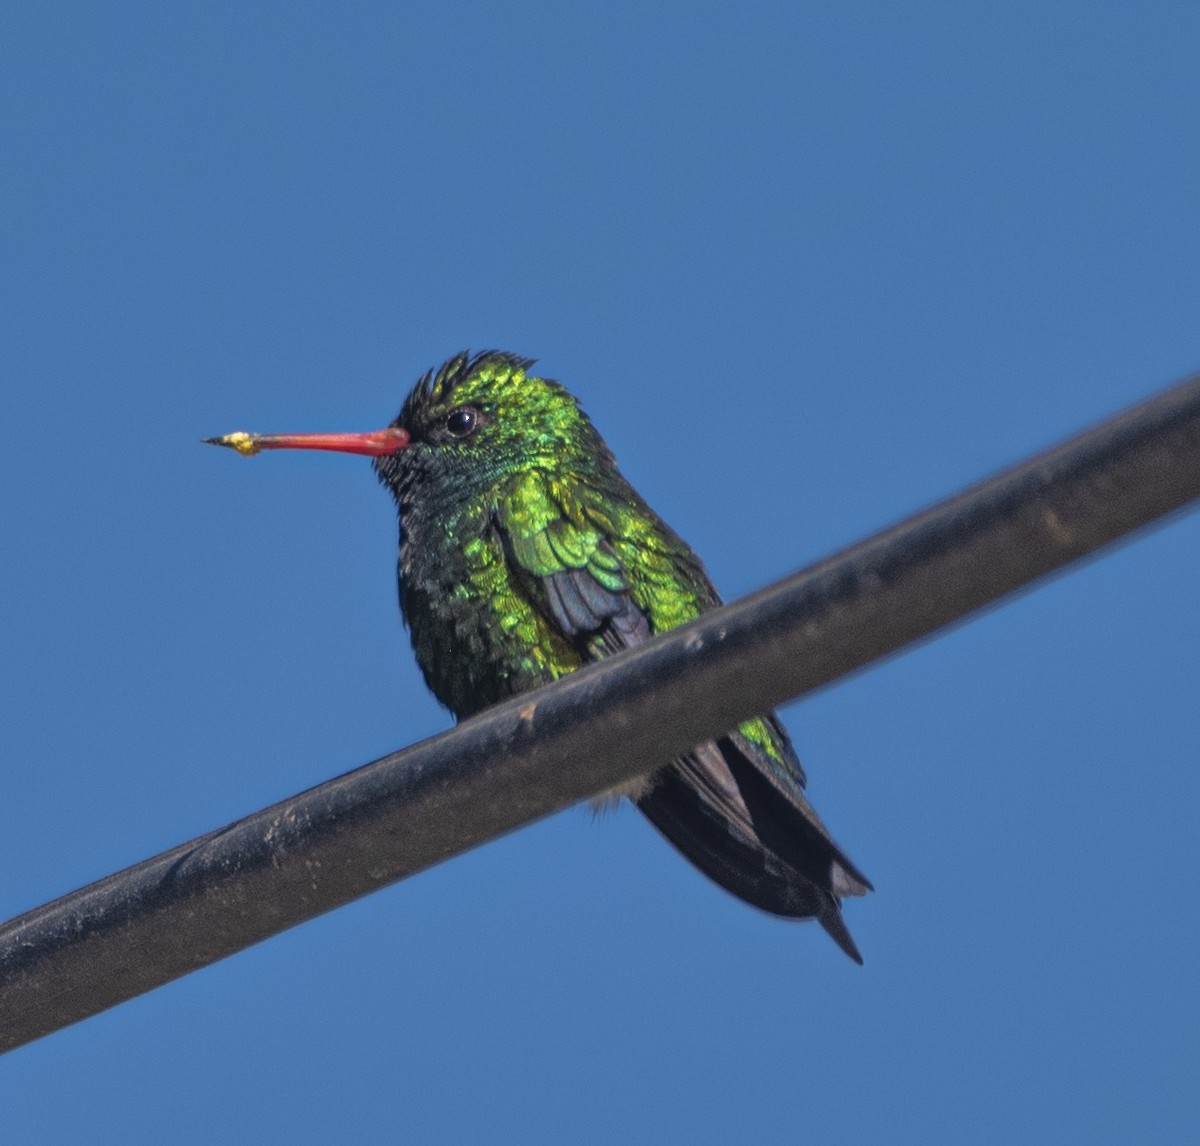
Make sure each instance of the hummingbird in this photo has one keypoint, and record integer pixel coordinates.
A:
(524, 555)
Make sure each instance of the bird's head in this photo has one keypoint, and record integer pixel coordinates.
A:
(463, 428)
(480, 418)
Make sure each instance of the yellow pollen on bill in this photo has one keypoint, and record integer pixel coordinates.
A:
(242, 442)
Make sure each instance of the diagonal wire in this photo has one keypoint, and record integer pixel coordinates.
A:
(216, 895)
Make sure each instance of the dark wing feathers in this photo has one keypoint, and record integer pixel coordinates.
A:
(800, 840)
(681, 807)
(579, 604)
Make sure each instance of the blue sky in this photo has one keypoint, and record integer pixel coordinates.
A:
(809, 267)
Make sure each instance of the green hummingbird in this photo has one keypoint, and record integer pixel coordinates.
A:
(524, 554)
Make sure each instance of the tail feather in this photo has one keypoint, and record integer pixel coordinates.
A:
(733, 825)
(836, 929)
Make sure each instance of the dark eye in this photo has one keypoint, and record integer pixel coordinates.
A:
(461, 423)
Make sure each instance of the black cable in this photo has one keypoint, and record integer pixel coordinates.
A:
(542, 751)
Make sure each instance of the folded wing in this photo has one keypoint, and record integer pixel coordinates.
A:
(735, 806)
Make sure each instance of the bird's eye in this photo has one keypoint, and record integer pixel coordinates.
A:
(462, 423)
